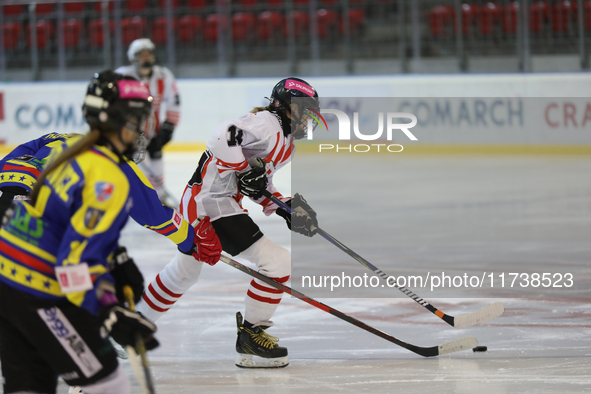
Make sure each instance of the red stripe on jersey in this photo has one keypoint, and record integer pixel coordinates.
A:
(287, 153)
(30, 170)
(152, 305)
(160, 84)
(272, 155)
(26, 259)
(165, 289)
(263, 299)
(166, 230)
(173, 116)
(225, 166)
(266, 202)
(265, 289)
(159, 297)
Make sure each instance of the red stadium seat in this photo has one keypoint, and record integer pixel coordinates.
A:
(562, 14)
(133, 28)
(247, 3)
(274, 3)
(538, 16)
(509, 17)
(329, 3)
(470, 14)
(489, 17)
(95, 32)
(72, 29)
(189, 27)
(301, 2)
(159, 32)
(327, 20)
(44, 33)
(175, 4)
(196, 5)
(439, 17)
(12, 10)
(242, 24)
(74, 8)
(44, 8)
(587, 15)
(210, 31)
(268, 23)
(136, 5)
(12, 31)
(301, 21)
(98, 6)
(356, 19)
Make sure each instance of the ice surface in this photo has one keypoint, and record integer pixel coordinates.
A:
(487, 213)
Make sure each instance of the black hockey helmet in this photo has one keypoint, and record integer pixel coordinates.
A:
(291, 87)
(306, 98)
(113, 101)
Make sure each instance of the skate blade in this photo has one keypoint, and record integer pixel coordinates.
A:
(246, 361)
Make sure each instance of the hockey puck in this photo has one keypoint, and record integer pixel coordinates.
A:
(480, 349)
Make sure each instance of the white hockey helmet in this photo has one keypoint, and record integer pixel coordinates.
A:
(139, 45)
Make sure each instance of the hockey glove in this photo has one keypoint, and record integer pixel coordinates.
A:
(207, 247)
(165, 133)
(253, 182)
(162, 138)
(302, 219)
(124, 325)
(125, 272)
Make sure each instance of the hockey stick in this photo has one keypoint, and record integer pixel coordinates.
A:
(146, 380)
(482, 315)
(449, 347)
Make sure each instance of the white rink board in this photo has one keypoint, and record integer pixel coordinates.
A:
(28, 110)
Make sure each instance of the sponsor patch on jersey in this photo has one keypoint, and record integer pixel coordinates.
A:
(103, 191)
(92, 217)
(73, 278)
(177, 219)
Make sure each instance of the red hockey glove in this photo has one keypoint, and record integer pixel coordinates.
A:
(207, 244)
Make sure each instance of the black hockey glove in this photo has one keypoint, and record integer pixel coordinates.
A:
(253, 182)
(125, 272)
(157, 143)
(165, 132)
(124, 326)
(302, 219)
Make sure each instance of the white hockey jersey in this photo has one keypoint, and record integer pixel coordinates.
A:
(164, 90)
(213, 189)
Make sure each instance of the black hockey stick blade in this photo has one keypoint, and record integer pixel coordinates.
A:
(450, 347)
(480, 316)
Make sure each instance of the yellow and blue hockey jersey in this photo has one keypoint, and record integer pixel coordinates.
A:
(77, 219)
(22, 166)
(28, 253)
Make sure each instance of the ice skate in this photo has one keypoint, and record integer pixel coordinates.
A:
(254, 341)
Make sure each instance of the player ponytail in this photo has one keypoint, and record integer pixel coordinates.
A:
(80, 146)
(259, 109)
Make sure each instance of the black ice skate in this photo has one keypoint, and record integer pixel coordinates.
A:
(254, 341)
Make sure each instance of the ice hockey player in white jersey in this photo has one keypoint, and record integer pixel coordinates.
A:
(164, 90)
(223, 177)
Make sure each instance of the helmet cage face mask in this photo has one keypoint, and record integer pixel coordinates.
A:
(296, 91)
(304, 117)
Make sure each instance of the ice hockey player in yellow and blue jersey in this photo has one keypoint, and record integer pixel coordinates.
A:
(57, 296)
